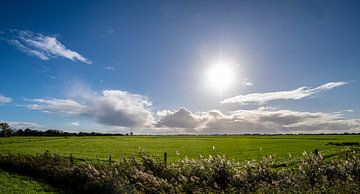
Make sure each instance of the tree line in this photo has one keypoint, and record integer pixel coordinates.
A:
(7, 131)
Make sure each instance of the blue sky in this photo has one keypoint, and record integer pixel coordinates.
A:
(143, 66)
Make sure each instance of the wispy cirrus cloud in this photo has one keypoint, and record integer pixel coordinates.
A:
(296, 94)
(64, 106)
(4, 99)
(43, 47)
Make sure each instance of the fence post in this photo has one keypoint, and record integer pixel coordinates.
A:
(316, 152)
(110, 159)
(71, 159)
(165, 159)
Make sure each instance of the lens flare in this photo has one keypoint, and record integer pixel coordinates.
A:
(220, 77)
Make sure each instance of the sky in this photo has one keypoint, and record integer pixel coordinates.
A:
(165, 67)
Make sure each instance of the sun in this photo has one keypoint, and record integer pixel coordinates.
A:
(220, 77)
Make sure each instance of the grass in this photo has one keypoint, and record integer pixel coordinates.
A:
(13, 183)
(240, 148)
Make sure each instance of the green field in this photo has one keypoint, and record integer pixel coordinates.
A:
(13, 183)
(240, 148)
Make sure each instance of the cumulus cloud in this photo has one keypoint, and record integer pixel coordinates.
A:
(43, 47)
(181, 118)
(110, 107)
(296, 94)
(117, 109)
(256, 121)
(4, 99)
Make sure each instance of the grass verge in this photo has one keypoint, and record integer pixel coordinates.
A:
(12, 183)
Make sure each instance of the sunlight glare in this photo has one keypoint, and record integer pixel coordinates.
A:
(220, 77)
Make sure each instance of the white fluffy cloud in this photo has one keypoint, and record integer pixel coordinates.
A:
(43, 47)
(110, 107)
(118, 109)
(255, 121)
(297, 94)
(4, 99)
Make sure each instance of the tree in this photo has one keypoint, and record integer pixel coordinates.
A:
(6, 130)
(4, 126)
(19, 132)
(28, 132)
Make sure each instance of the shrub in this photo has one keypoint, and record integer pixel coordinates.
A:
(215, 174)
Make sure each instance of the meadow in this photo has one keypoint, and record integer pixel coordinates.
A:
(95, 149)
(239, 148)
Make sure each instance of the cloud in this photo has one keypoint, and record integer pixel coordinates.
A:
(24, 125)
(4, 99)
(43, 47)
(247, 83)
(65, 106)
(110, 31)
(181, 118)
(255, 121)
(110, 107)
(297, 94)
(122, 110)
(345, 111)
(109, 68)
(75, 123)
